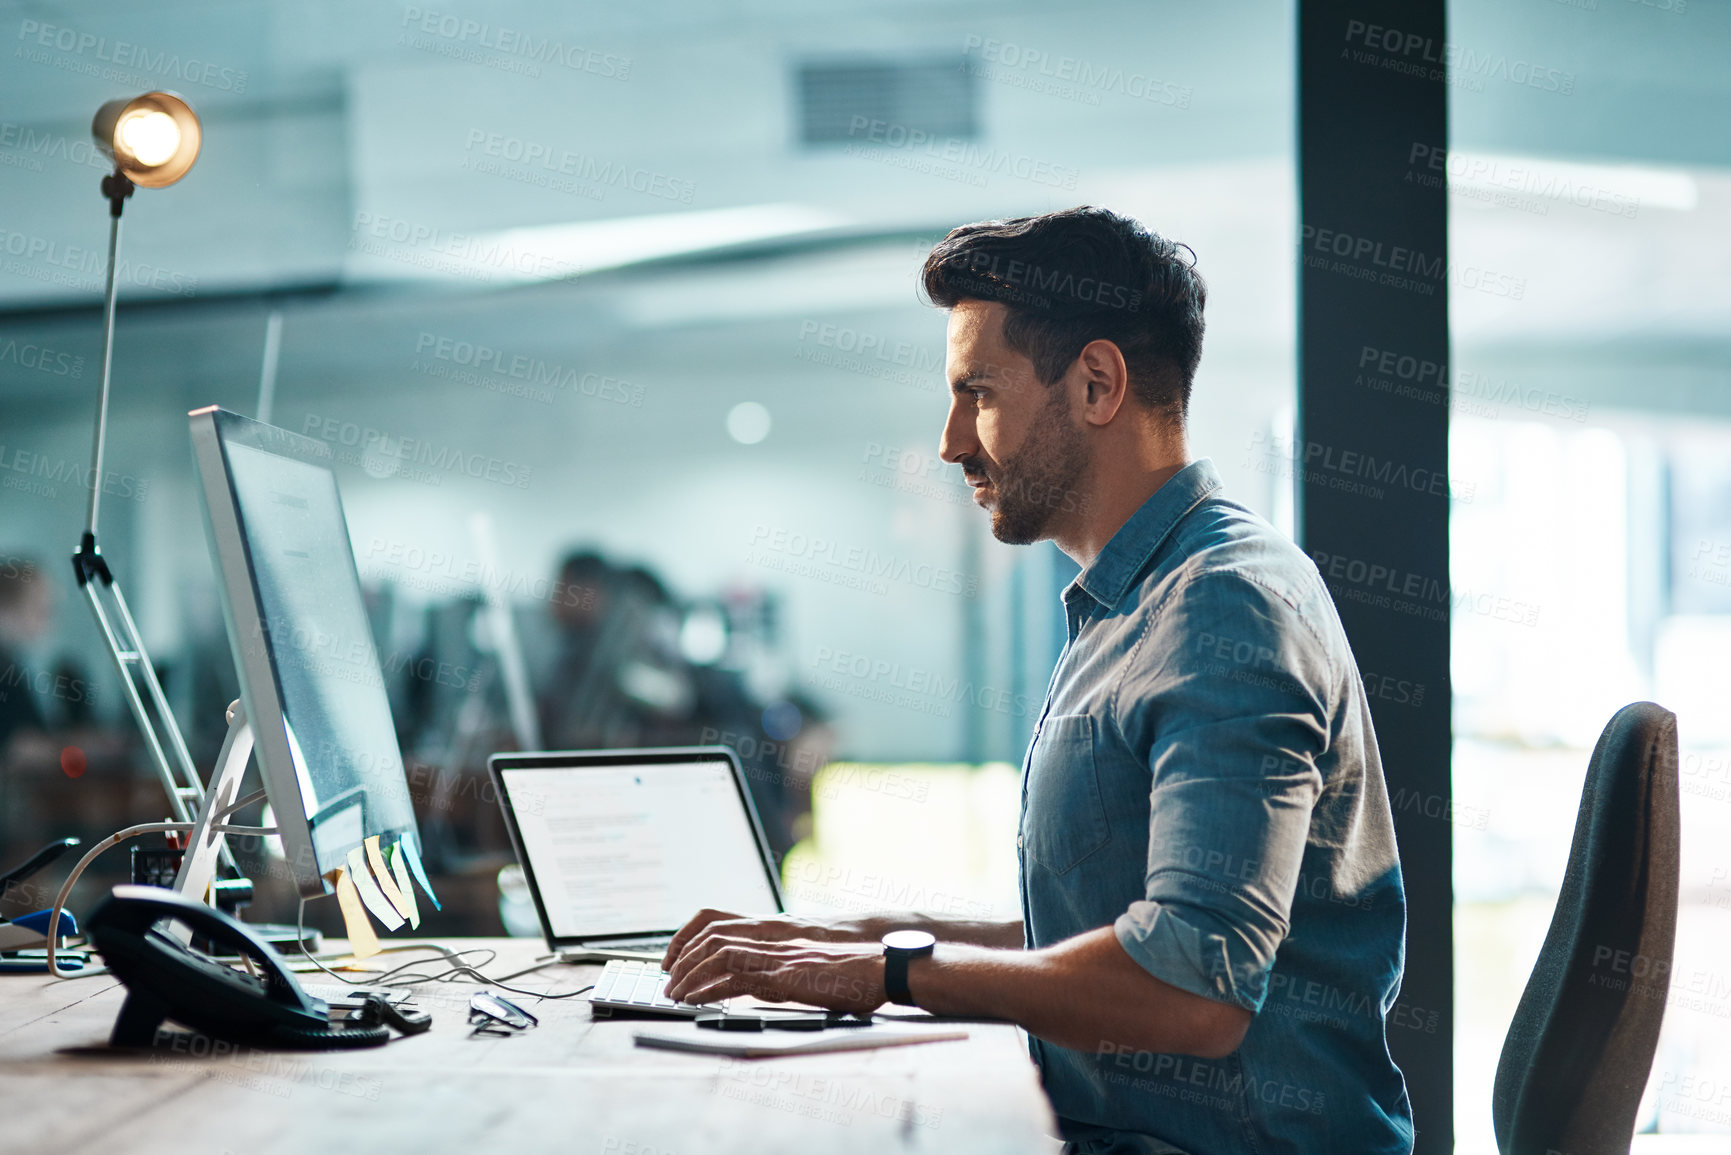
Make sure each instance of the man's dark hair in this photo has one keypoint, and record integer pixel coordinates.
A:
(584, 567)
(1080, 275)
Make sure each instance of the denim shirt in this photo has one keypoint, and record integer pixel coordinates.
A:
(1204, 779)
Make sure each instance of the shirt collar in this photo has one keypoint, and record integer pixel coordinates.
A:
(1111, 573)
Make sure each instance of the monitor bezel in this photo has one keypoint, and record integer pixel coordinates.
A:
(579, 759)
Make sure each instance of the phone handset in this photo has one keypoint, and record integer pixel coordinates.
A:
(148, 905)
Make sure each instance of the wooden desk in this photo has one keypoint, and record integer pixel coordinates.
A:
(573, 1085)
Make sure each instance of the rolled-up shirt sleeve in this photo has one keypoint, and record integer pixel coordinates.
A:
(1229, 695)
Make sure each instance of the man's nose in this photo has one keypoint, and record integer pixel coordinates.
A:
(957, 441)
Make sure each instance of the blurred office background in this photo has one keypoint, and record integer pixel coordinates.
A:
(1591, 424)
(609, 312)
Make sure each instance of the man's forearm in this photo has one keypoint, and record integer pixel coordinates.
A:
(973, 932)
(1085, 993)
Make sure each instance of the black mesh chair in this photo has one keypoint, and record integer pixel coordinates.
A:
(1581, 1045)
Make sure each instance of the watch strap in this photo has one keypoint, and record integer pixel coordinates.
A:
(896, 977)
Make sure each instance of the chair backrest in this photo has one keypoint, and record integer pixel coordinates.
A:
(1581, 1045)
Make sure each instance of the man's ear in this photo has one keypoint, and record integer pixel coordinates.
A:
(1106, 379)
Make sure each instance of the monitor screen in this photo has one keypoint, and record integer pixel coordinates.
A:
(303, 644)
(638, 847)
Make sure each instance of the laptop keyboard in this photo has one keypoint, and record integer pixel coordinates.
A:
(630, 985)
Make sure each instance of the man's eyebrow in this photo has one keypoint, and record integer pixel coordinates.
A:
(966, 380)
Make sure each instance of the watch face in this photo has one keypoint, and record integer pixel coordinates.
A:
(909, 940)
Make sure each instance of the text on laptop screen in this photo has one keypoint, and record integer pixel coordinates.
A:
(636, 848)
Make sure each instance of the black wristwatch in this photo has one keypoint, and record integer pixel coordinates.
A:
(902, 947)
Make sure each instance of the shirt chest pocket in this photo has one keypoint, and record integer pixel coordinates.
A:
(1064, 820)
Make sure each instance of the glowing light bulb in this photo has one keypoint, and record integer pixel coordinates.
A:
(151, 136)
(748, 423)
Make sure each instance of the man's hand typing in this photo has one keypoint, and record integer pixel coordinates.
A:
(839, 976)
(752, 928)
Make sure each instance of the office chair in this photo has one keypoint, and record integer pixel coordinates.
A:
(1577, 1055)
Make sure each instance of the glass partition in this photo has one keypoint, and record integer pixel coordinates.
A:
(609, 315)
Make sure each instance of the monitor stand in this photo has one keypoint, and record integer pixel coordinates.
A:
(205, 845)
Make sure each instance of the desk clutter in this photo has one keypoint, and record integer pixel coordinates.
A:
(146, 938)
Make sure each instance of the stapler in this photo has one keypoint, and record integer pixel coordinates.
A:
(30, 931)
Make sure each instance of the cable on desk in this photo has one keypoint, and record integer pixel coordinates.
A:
(111, 840)
(455, 967)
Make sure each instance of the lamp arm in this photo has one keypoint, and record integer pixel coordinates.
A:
(116, 187)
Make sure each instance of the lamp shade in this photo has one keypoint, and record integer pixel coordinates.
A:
(152, 139)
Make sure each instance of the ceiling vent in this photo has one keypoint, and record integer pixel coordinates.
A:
(841, 101)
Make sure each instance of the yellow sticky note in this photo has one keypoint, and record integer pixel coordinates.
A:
(382, 873)
(363, 943)
(368, 888)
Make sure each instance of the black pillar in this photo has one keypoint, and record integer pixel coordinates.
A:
(1371, 452)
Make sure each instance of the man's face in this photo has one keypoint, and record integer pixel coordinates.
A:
(582, 600)
(1015, 437)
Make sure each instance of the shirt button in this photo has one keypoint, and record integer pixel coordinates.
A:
(1018, 842)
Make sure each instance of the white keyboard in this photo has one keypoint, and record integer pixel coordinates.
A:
(639, 988)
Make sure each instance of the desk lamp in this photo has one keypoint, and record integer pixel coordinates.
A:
(153, 140)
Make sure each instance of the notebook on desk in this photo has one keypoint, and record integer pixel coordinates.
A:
(621, 847)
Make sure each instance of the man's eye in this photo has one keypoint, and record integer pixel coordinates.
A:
(977, 394)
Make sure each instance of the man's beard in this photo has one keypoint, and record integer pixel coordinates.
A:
(1039, 479)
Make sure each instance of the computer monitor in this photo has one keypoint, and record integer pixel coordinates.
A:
(310, 680)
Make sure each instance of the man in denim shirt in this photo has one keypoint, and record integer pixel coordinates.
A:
(1212, 914)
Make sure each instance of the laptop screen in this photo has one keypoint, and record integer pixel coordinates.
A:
(633, 847)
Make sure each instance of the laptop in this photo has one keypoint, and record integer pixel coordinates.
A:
(621, 847)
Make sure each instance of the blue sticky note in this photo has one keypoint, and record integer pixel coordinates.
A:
(411, 849)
